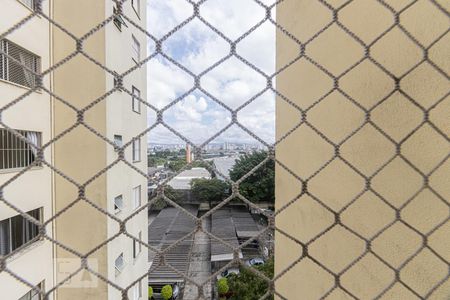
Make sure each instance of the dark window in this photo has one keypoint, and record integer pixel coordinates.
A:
(118, 140)
(30, 3)
(16, 153)
(17, 231)
(33, 294)
(20, 68)
(118, 20)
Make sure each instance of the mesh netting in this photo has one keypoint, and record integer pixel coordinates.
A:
(367, 45)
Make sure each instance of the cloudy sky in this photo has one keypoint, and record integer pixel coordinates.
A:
(197, 47)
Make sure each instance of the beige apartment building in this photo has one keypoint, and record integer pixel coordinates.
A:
(31, 192)
(79, 155)
(355, 240)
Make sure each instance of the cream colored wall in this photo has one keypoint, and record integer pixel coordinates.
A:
(305, 153)
(121, 120)
(89, 154)
(80, 154)
(32, 189)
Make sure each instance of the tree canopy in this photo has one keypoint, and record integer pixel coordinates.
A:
(166, 292)
(222, 286)
(260, 186)
(209, 190)
(248, 286)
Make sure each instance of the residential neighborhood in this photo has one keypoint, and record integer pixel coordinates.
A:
(198, 255)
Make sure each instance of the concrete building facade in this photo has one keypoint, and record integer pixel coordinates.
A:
(120, 117)
(385, 236)
(81, 202)
(31, 192)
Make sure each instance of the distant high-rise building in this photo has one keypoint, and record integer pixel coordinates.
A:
(188, 154)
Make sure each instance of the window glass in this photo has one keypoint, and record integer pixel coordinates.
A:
(118, 140)
(30, 3)
(136, 150)
(136, 104)
(118, 204)
(17, 231)
(119, 263)
(136, 6)
(136, 197)
(136, 46)
(5, 237)
(16, 153)
(22, 67)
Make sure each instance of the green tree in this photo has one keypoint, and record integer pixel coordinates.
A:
(170, 193)
(209, 190)
(154, 161)
(166, 292)
(249, 286)
(222, 286)
(176, 165)
(150, 292)
(260, 186)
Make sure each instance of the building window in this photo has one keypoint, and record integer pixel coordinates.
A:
(17, 231)
(116, 82)
(118, 140)
(118, 204)
(119, 264)
(136, 103)
(14, 152)
(136, 150)
(31, 4)
(33, 294)
(136, 6)
(136, 291)
(137, 197)
(18, 70)
(137, 247)
(136, 49)
(118, 20)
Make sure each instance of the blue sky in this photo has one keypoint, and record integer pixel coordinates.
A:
(197, 47)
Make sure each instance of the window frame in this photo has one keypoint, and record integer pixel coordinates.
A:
(137, 201)
(32, 293)
(136, 150)
(15, 154)
(24, 243)
(116, 138)
(119, 269)
(137, 247)
(136, 291)
(118, 20)
(119, 207)
(135, 102)
(32, 7)
(137, 7)
(10, 68)
(135, 42)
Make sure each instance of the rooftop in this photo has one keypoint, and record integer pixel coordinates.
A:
(183, 180)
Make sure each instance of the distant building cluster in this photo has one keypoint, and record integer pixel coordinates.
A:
(212, 147)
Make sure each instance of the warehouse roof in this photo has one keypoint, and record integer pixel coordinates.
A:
(183, 180)
(169, 226)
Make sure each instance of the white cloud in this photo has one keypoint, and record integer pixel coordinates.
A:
(197, 47)
(166, 82)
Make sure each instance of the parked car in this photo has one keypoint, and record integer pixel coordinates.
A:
(228, 272)
(257, 261)
(175, 291)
